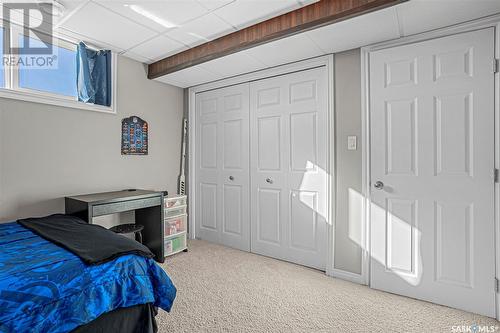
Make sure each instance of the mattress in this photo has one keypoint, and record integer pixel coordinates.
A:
(45, 288)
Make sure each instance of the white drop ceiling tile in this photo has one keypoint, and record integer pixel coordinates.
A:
(201, 30)
(167, 80)
(137, 57)
(191, 76)
(233, 64)
(97, 22)
(159, 46)
(158, 15)
(243, 13)
(423, 15)
(70, 35)
(359, 31)
(70, 5)
(282, 51)
(185, 37)
(214, 4)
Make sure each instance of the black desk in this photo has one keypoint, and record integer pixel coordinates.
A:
(148, 207)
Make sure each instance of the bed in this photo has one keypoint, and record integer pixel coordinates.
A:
(46, 288)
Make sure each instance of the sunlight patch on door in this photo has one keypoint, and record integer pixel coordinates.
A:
(315, 179)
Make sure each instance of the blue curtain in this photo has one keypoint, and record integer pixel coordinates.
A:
(93, 76)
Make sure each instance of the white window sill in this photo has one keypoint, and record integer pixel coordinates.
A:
(36, 97)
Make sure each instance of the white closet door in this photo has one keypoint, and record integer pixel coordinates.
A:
(289, 196)
(432, 125)
(222, 163)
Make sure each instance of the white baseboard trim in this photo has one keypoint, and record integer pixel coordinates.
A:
(345, 275)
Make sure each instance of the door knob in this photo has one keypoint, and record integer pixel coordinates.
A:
(269, 180)
(231, 178)
(378, 185)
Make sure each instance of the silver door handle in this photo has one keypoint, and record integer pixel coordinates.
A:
(231, 178)
(378, 185)
(269, 180)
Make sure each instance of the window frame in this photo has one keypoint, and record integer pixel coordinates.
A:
(12, 90)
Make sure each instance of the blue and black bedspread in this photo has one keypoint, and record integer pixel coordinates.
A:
(45, 288)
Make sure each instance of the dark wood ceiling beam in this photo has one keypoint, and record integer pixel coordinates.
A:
(306, 18)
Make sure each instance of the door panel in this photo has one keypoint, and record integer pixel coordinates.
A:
(233, 144)
(454, 223)
(208, 204)
(223, 161)
(432, 146)
(233, 214)
(401, 235)
(454, 131)
(401, 122)
(269, 96)
(288, 159)
(207, 105)
(269, 219)
(303, 145)
(303, 220)
(269, 143)
(209, 145)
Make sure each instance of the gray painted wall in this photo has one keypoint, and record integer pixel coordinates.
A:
(348, 162)
(48, 152)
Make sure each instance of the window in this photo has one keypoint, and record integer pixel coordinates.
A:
(2, 70)
(61, 81)
(54, 85)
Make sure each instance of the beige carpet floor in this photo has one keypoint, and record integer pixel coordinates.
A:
(226, 290)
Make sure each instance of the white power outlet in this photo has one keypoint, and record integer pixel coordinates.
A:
(352, 142)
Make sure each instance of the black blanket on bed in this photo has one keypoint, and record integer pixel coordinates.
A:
(92, 243)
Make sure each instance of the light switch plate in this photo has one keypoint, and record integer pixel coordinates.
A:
(352, 142)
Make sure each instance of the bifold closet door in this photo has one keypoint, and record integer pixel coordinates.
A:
(288, 157)
(222, 163)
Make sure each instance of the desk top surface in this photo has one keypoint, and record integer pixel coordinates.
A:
(115, 196)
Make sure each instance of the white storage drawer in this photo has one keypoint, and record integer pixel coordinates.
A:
(175, 244)
(171, 202)
(176, 211)
(175, 225)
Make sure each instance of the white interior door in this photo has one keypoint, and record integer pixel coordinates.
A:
(289, 142)
(222, 166)
(432, 127)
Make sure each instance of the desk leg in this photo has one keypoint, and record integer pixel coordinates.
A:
(78, 209)
(152, 235)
